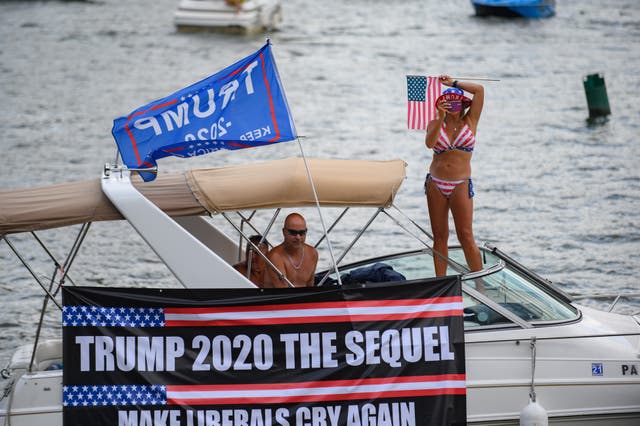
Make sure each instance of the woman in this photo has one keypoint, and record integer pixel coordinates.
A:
(448, 184)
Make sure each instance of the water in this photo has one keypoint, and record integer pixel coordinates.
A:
(558, 194)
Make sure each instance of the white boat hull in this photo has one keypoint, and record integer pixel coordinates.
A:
(255, 16)
(564, 383)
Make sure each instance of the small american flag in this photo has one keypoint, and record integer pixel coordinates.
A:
(422, 93)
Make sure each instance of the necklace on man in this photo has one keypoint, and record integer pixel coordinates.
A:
(297, 267)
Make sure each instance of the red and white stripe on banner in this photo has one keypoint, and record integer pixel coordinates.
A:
(322, 312)
(330, 390)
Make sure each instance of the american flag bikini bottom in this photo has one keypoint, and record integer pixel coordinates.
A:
(446, 187)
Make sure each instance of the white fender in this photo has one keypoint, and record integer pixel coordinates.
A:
(534, 415)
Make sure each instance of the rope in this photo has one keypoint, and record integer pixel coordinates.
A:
(532, 392)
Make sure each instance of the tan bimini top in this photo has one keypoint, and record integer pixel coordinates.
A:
(279, 183)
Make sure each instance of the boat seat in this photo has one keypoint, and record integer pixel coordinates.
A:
(48, 356)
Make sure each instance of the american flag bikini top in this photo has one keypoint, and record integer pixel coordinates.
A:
(465, 141)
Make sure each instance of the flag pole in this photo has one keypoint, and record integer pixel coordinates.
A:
(462, 78)
(324, 226)
(475, 78)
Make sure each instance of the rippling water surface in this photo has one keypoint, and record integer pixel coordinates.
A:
(558, 194)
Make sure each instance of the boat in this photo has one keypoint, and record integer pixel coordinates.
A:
(525, 340)
(233, 16)
(515, 8)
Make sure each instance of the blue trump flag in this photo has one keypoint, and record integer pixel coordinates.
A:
(242, 106)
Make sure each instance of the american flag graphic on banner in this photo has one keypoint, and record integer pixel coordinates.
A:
(200, 356)
(422, 93)
(317, 312)
(264, 393)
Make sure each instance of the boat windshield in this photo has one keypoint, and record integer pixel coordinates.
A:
(525, 296)
(505, 289)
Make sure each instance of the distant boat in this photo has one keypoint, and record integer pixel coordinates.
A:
(515, 8)
(238, 16)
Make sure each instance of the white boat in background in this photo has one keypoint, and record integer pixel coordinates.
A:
(523, 336)
(245, 16)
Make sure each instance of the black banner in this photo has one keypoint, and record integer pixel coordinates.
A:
(389, 355)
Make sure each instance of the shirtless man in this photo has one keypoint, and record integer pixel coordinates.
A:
(294, 258)
(257, 261)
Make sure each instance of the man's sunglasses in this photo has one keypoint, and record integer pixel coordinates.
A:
(294, 232)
